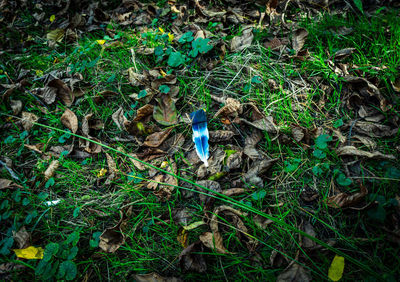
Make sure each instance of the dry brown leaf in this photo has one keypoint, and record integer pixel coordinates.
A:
(16, 106)
(21, 237)
(156, 139)
(136, 163)
(261, 221)
(165, 112)
(51, 169)
(119, 119)
(396, 84)
(353, 151)
(232, 107)
(243, 41)
(220, 135)
(143, 112)
(210, 184)
(344, 200)
(298, 39)
(28, 119)
(183, 237)
(233, 191)
(234, 160)
(8, 184)
(136, 79)
(258, 168)
(294, 273)
(191, 258)
(344, 53)
(63, 91)
(213, 241)
(373, 129)
(154, 277)
(309, 229)
(266, 124)
(164, 184)
(70, 120)
(113, 238)
(173, 144)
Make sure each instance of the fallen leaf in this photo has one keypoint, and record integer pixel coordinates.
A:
(298, 39)
(191, 258)
(220, 135)
(119, 118)
(8, 184)
(233, 191)
(165, 113)
(144, 112)
(193, 225)
(136, 79)
(344, 200)
(266, 124)
(154, 277)
(63, 91)
(353, 151)
(343, 53)
(374, 130)
(156, 139)
(336, 269)
(243, 41)
(55, 35)
(232, 106)
(183, 237)
(16, 106)
(294, 273)
(28, 119)
(173, 144)
(396, 84)
(258, 168)
(70, 120)
(212, 185)
(213, 241)
(21, 237)
(307, 242)
(49, 173)
(29, 253)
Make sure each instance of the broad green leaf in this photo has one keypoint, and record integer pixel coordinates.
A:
(175, 59)
(319, 154)
(29, 253)
(164, 89)
(322, 141)
(186, 37)
(76, 212)
(343, 180)
(50, 251)
(256, 79)
(73, 252)
(258, 195)
(338, 123)
(73, 238)
(335, 271)
(40, 268)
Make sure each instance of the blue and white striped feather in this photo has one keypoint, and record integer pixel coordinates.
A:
(200, 135)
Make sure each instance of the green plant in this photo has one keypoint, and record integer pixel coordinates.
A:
(58, 258)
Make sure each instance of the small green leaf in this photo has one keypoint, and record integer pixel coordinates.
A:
(258, 195)
(50, 250)
(377, 213)
(68, 269)
(338, 123)
(94, 243)
(164, 89)
(186, 37)
(49, 183)
(175, 59)
(292, 165)
(40, 268)
(73, 252)
(158, 51)
(319, 154)
(359, 5)
(76, 212)
(73, 238)
(317, 170)
(341, 179)
(256, 79)
(322, 141)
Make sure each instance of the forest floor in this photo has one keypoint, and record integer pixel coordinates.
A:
(100, 179)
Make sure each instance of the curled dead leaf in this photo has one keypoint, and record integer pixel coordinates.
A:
(298, 39)
(243, 41)
(119, 118)
(232, 107)
(49, 173)
(21, 237)
(353, 151)
(144, 112)
(157, 138)
(28, 119)
(266, 124)
(70, 120)
(221, 135)
(344, 200)
(63, 91)
(191, 258)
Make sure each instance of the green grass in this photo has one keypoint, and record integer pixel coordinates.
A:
(89, 206)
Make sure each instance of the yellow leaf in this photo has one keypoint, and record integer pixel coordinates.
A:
(56, 35)
(101, 173)
(29, 253)
(170, 37)
(101, 42)
(183, 237)
(163, 73)
(193, 225)
(52, 18)
(39, 72)
(335, 272)
(160, 29)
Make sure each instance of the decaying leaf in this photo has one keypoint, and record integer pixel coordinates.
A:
(63, 91)
(157, 138)
(165, 112)
(119, 118)
(258, 168)
(192, 259)
(154, 277)
(213, 185)
(396, 84)
(221, 135)
(70, 120)
(144, 112)
(234, 161)
(113, 238)
(213, 241)
(266, 124)
(294, 273)
(136, 79)
(353, 151)
(243, 41)
(173, 144)
(29, 252)
(8, 184)
(28, 119)
(309, 229)
(374, 129)
(21, 237)
(344, 200)
(51, 169)
(232, 107)
(164, 184)
(16, 106)
(298, 39)
(183, 237)
(344, 53)
(55, 36)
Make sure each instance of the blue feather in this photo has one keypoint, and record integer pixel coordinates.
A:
(200, 135)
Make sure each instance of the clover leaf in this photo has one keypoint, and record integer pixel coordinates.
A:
(175, 59)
